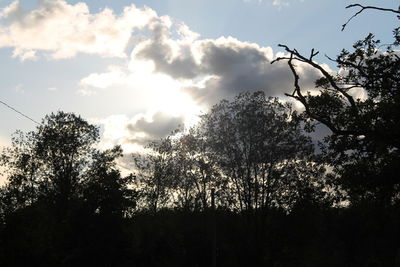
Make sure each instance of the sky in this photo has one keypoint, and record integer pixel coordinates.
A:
(138, 69)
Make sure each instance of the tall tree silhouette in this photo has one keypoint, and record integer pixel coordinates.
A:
(155, 175)
(260, 148)
(251, 151)
(365, 141)
(49, 162)
(58, 163)
(60, 194)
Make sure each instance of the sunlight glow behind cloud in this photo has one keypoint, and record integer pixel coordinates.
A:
(177, 74)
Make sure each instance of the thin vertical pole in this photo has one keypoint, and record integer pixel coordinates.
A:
(213, 230)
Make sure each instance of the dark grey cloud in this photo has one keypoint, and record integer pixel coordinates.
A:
(160, 49)
(160, 126)
(182, 66)
(231, 66)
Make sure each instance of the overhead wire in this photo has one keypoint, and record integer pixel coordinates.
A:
(19, 112)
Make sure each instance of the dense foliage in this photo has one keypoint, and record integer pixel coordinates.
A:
(251, 151)
(61, 193)
(360, 104)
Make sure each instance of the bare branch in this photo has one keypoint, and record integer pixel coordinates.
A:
(297, 94)
(296, 79)
(313, 54)
(365, 8)
(279, 59)
(300, 97)
(299, 57)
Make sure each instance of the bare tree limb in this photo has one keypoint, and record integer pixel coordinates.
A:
(301, 98)
(297, 94)
(365, 8)
(299, 57)
(357, 125)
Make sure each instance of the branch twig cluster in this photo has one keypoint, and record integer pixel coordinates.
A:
(298, 95)
(335, 86)
(363, 8)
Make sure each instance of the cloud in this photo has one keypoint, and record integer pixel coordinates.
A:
(280, 3)
(156, 127)
(168, 68)
(166, 59)
(114, 76)
(19, 89)
(63, 30)
(207, 70)
(86, 92)
(220, 68)
(249, 1)
(133, 134)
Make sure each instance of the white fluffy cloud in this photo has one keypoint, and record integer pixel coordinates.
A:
(63, 30)
(163, 53)
(114, 76)
(167, 65)
(280, 3)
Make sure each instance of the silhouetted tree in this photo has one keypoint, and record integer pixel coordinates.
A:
(49, 162)
(176, 172)
(58, 163)
(364, 145)
(251, 151)
(103, 188)
(60, 195)
(155, 174)
(65, 202)
(195, 171)
(259, 146)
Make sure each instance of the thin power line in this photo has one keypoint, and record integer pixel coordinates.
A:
(19, 112)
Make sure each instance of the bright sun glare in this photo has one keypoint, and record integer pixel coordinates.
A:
(167, 95)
